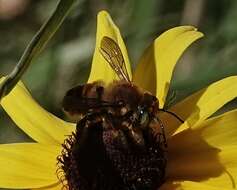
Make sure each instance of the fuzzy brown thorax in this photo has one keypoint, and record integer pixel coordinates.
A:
(115, 145)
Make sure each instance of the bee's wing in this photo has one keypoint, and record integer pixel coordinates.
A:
(113, 55)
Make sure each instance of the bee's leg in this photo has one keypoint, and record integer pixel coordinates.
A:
(171, 99)
(131, 135)
(88, 127)
(162, 133)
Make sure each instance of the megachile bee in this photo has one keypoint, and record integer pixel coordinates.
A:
(119, 143)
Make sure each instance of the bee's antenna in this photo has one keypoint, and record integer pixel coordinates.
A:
(173, 114)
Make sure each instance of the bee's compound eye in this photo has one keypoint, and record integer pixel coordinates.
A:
(144, 118)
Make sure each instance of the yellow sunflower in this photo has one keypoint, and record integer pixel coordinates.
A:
(202, 152)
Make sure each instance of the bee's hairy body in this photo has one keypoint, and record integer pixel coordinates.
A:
(119, 140)
(112, 147)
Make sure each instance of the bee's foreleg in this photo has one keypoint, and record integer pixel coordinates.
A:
(89, 132)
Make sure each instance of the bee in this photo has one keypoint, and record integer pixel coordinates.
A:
(119, 142)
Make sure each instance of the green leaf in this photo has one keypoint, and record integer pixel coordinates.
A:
(36, 45)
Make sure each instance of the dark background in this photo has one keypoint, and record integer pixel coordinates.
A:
(66, 60)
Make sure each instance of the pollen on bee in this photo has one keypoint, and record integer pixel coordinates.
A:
(125, 124)
(123, 110)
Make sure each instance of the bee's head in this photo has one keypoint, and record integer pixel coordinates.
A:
(147, 109)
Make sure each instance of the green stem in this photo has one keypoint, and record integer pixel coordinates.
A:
(36, 45)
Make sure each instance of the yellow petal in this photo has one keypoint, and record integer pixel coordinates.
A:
(56, 186)
(35, 121)
(228, 158)
(28, 165)
(206, 153)
(189, 185)
(201, 105)
(100, 69)
(191, 158)
(156, 66)
(145, 75)
(220, 131)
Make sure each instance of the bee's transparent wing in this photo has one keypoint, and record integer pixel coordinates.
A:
(113, 55)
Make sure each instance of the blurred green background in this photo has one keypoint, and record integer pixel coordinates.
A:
(66, 60)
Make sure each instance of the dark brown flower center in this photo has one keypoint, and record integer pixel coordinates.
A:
(106, 160)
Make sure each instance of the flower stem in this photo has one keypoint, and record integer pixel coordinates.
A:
(36, 45)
